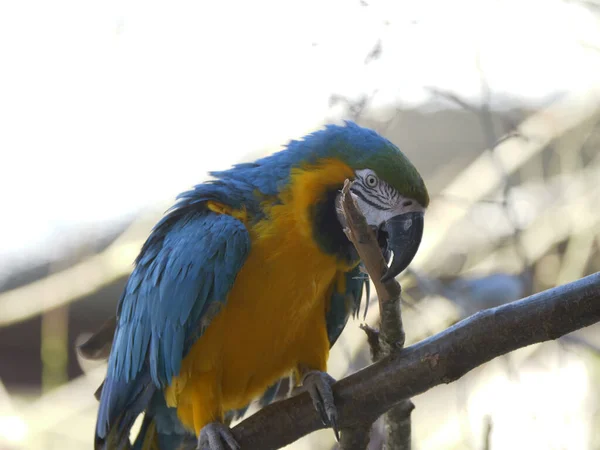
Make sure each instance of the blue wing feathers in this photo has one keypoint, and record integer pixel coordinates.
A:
(185, 265)
(342, 305)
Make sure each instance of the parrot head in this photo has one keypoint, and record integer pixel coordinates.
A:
(396, 216)
(387, 188)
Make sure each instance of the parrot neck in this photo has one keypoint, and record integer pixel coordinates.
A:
(328, 231)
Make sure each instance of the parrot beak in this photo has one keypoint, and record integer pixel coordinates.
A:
(404, 237)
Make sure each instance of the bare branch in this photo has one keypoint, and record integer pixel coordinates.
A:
(356, 438)
(391, 336)
(366, 245)
(442, 358)
(398, 427)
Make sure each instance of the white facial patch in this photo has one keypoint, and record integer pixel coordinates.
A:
(378, 201)
(373, 215)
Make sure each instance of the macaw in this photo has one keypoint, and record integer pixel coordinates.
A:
(250, 277)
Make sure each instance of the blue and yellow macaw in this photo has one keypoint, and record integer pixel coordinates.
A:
(249, 278)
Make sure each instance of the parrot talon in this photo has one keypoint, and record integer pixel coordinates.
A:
(318, 384)
(334, 426)
(216, 436)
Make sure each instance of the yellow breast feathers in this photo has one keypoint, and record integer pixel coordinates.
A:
(274, 317)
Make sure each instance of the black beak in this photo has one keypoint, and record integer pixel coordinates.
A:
(404, 237)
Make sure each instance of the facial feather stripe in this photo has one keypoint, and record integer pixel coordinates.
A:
(381, 196)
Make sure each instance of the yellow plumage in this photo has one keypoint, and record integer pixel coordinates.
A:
(274, 318)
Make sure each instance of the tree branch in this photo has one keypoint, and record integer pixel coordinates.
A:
(442, 358)
(390, 337)
(356, 438)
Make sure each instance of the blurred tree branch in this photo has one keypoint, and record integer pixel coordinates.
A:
(482, 177)
(77, 281)
(443, 358)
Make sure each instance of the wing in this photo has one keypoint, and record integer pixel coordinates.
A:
(182, 278)
(345, 303)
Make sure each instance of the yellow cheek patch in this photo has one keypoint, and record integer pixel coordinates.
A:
(308, 186)
(309, 183)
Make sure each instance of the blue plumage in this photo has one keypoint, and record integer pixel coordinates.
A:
(342, 304)
(189, 263)
(351, 143)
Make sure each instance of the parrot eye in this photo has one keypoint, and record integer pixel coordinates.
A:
(371, 180)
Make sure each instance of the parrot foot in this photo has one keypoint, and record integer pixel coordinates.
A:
(318, 384)
(216, 436)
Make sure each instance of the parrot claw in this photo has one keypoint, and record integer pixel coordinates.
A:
(318, 384)
(216, 436)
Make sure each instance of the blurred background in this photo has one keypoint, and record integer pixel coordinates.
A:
(109, 109)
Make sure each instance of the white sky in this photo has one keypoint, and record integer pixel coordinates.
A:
(107, 107)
